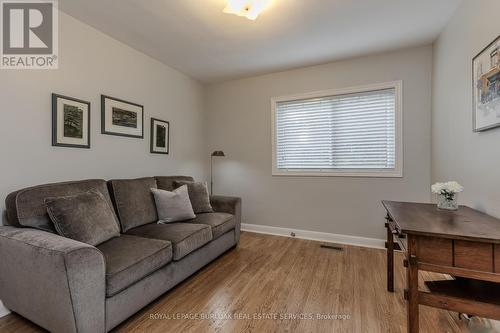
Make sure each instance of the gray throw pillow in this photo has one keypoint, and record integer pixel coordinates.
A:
(173, 206)
(199, 196)
(85, 217)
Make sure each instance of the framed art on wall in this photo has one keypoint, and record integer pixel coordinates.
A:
(122, 118)
(70, 122)
(486, 87)
(160, 132)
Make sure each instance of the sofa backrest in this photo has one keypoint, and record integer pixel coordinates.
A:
(133, 201)
(167, 182)
(131, 198)
(26, 207)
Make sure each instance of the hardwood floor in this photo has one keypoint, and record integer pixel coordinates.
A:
(268, 280)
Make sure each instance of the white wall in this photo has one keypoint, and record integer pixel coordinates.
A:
(91, 64)
(239, 114)
(458, 153)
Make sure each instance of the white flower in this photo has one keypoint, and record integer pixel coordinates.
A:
(454, 187)
(448, 187)
(436, 188)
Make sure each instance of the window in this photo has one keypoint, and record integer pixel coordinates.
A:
(351, 132)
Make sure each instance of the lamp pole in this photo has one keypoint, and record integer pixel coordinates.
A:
(217, 153)
(211, 175)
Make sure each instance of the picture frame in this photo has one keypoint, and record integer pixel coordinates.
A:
(70, 122)
(486, 88)
(160, 136)
(121, 118)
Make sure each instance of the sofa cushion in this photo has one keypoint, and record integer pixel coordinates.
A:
(185, 237)
(130, 258)
(219, 222)
(173, 206)
(198, 194)
(167, 182)
(134, 201)
(85, 217)
(27, 208)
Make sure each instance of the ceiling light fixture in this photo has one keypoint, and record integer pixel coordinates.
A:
(247, 8)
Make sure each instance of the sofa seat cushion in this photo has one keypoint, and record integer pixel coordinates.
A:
(131, 258)
(219, 222)
(185, 237)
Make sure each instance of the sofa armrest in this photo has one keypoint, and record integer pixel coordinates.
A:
(56, 282)
(231, 205)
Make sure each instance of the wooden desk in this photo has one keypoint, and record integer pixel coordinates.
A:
(463, 243)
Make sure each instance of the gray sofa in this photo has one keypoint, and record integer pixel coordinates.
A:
(67, 286)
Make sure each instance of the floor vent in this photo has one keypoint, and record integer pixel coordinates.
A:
(331, 246)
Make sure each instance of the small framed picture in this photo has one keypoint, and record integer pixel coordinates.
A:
(122, 118)
(160, 131)
(70, 122)
(486, 87)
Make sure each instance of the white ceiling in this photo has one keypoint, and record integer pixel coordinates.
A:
(195, 37)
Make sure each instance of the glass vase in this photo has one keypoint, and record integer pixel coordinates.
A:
(447, 202)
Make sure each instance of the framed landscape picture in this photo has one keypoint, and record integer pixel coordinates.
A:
(160, 131)
(119, 117)
(486, 87)
(70, 122)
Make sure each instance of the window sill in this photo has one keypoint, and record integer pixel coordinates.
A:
(367, 174)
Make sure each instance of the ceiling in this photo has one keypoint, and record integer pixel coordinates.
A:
(195, 37)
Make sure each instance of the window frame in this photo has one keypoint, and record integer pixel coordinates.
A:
(397, 172)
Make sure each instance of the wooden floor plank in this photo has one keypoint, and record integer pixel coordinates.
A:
(294, 280)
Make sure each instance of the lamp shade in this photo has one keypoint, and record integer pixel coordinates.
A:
(218, 153)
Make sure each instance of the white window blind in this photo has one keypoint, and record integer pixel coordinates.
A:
(355, 131)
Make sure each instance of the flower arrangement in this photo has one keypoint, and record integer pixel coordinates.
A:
(447, 189)
(447, 194)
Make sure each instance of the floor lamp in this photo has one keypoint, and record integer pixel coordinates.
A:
(217, 153)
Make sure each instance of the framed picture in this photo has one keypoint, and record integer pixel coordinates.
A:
(122, 118)
(486, 87)
(70, 122)
(160, 131)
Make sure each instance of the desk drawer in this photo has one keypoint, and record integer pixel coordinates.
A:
(433, 250)
(474, 255)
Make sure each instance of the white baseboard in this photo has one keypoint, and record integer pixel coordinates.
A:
(315, 235)
(3, 310)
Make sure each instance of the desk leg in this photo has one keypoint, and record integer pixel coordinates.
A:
(390, 261)
(412, 283)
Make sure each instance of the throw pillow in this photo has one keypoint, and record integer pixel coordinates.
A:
(173, 206)
(85, 217)
(199, 196)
